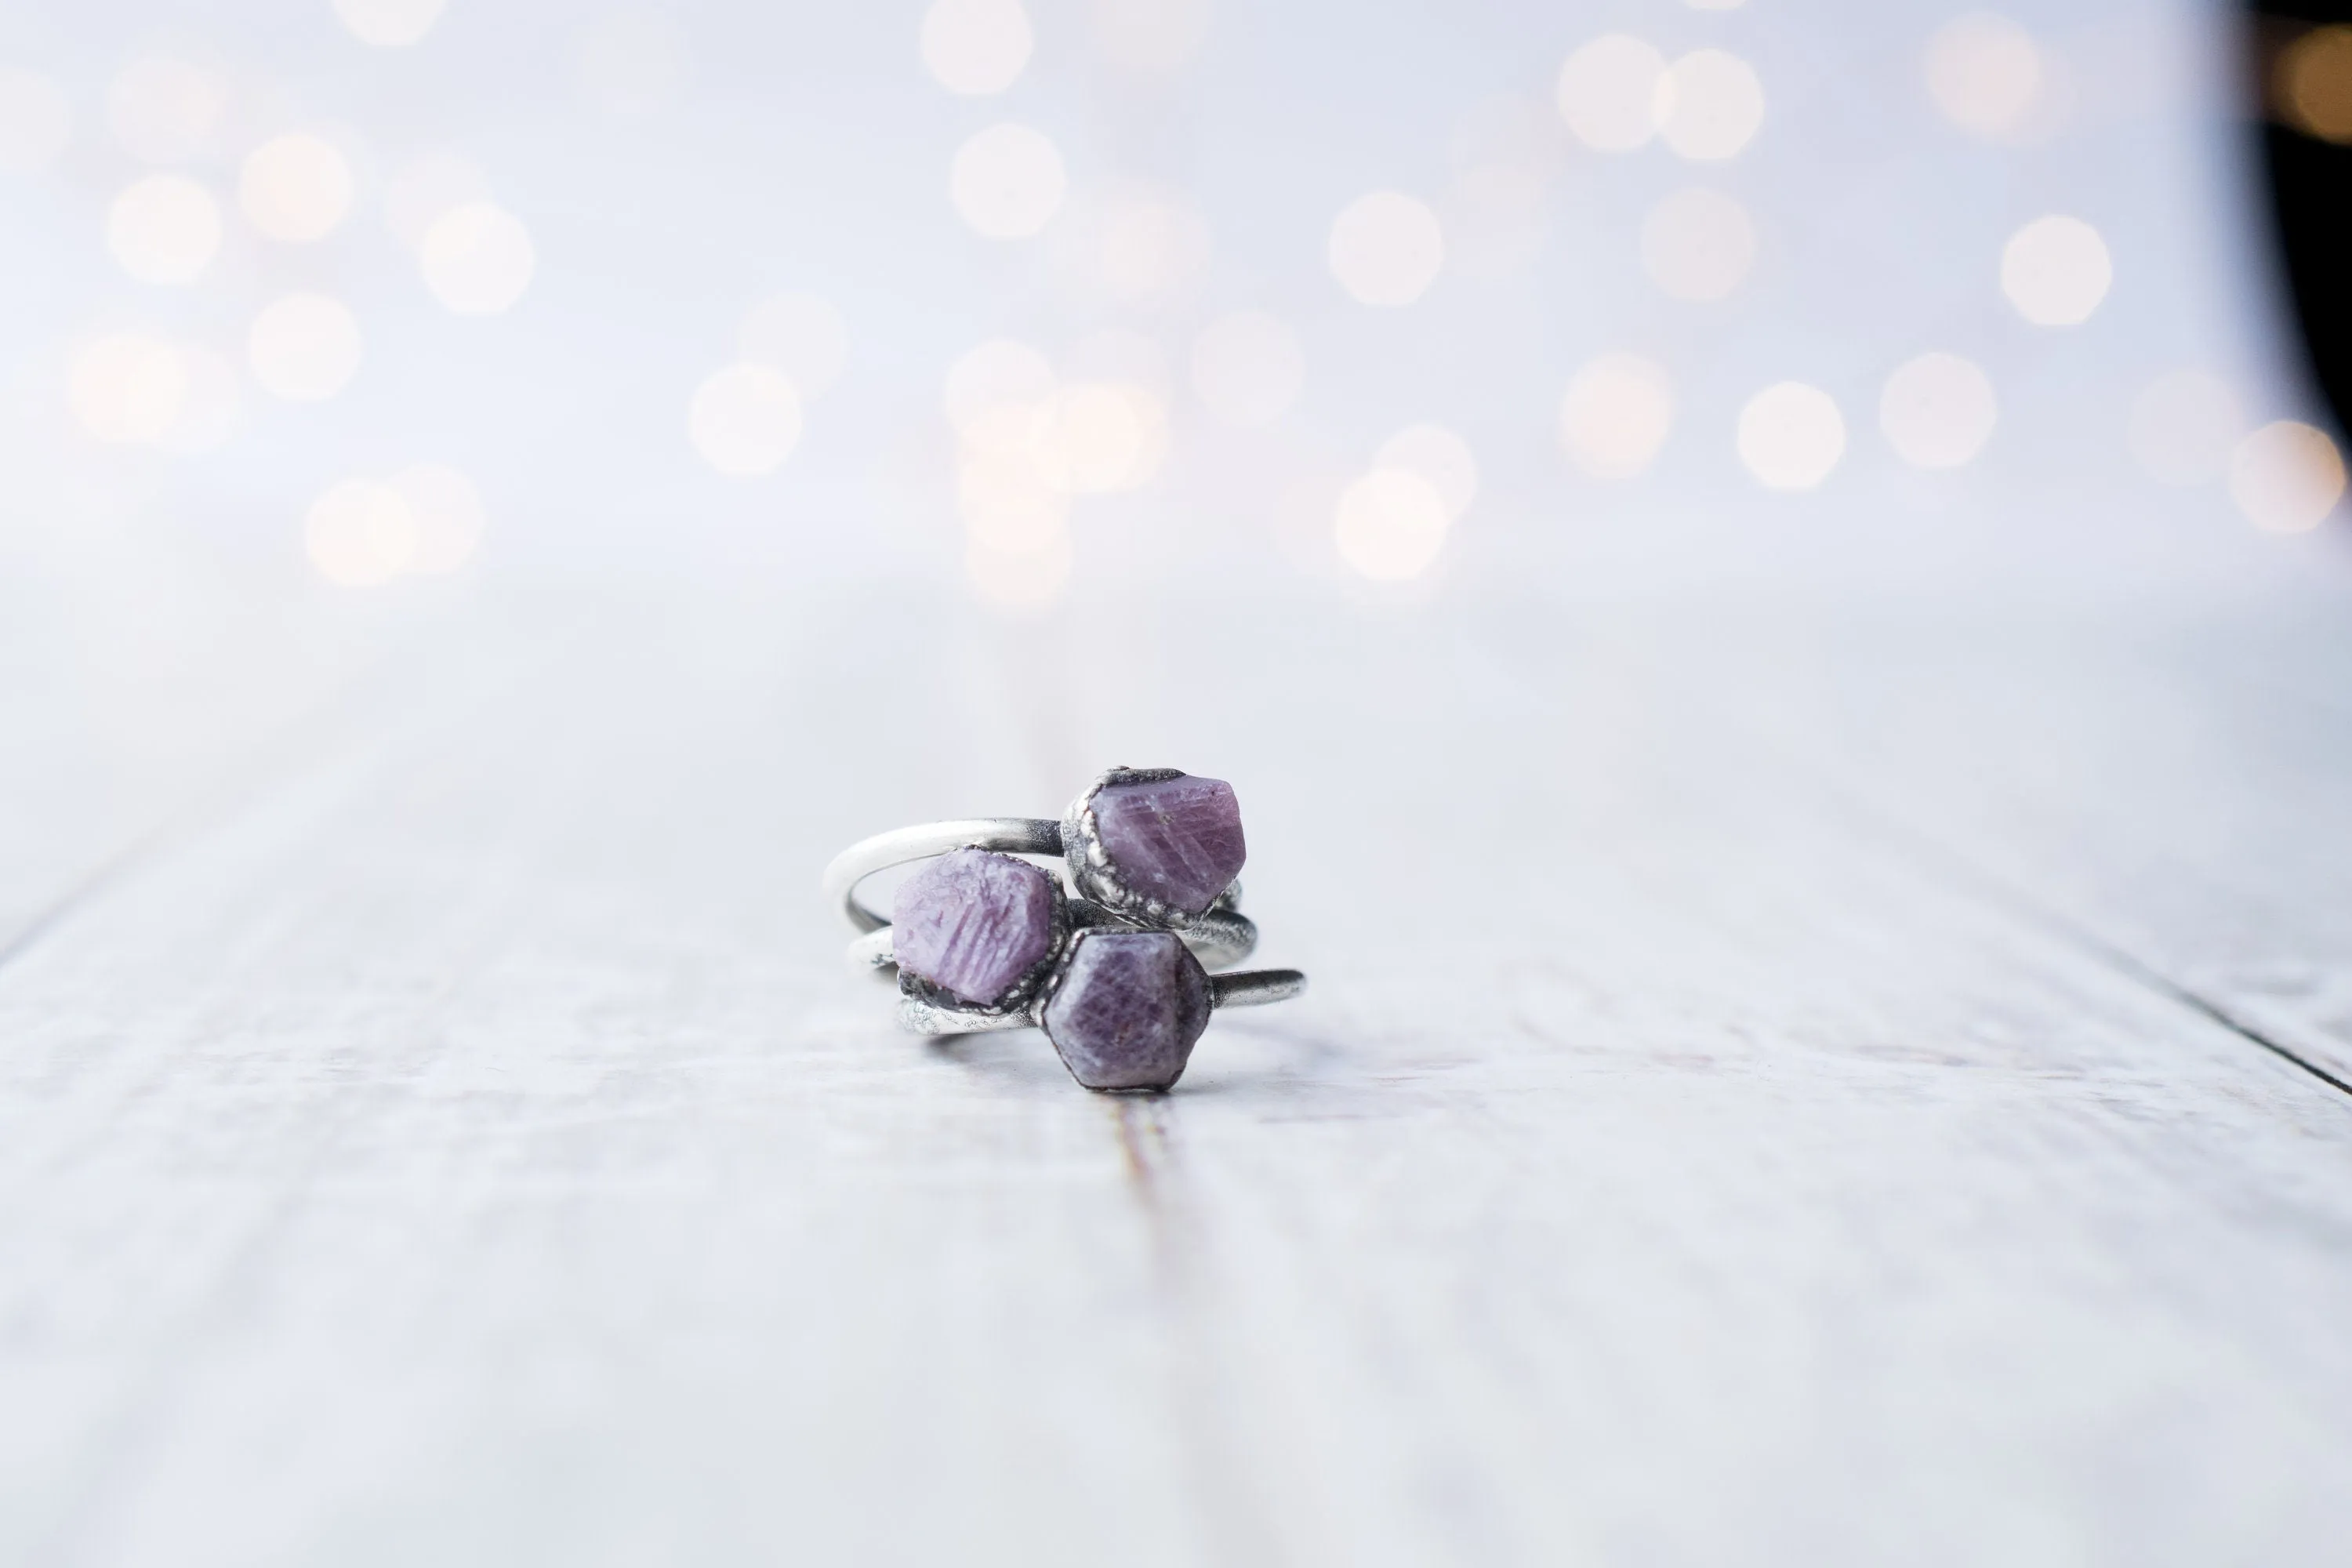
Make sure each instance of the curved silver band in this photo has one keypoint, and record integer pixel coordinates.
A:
(1221, 937)
(1252, 988)
(1007, 834)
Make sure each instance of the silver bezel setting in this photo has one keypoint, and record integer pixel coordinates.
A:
(1095, 873)
(1025, 994)
(1117, 927)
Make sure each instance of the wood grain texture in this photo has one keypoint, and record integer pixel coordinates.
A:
(1740, 1115)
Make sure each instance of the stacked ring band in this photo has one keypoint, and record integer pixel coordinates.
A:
(1113, 968)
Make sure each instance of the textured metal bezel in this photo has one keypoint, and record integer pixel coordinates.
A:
(1095, 873)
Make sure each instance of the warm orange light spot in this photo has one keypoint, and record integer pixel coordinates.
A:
(2316, 82)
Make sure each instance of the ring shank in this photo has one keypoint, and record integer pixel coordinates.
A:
(1006, 834)
(1256, 987)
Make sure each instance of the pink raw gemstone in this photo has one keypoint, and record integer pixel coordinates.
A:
(973, 922)
(1128, 1009)
(1178, 841)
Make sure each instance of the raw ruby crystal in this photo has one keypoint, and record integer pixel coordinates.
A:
(1178, 841)
(1128, 1009)
(973, 922)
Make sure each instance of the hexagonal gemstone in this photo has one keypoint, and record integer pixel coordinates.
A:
(973, 922)
(1128, 1009)
(1178, 841)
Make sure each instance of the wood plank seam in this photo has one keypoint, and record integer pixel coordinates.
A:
(1932, 854)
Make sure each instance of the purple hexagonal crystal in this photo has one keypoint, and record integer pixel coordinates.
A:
(973, 922)
(1178, 841)
(1128, 1009)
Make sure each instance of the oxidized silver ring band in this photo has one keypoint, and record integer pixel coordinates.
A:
(1112, 966)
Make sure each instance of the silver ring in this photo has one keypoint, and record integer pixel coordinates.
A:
(1006, 834)
(1110, 956)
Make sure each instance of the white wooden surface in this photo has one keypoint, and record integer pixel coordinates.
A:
(1818, 1099)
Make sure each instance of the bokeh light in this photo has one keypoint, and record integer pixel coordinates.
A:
(163, 228)
(1007, 181)
(1018, 579)
(1092, 438)
(631, 64)
(1118, 354)
(164, 110)
(1439, 456)
(361, 533)
(1030, 440)
(446, 514)
(2315, 83)
(1248, 368)
(389, 23)
(1791, 436)
(1106, 426)
(1006, 502)
(36, 121)
(2055, 271)
(1151, 245)
(295, 188)
(1616, 415)
(1150, 36)
(1386, 248)
(1086, 438)
(2183, 426)
(975, 48)
(992, 391)
(212, 405)
(127, 387)
(2286, 477)
(422, 189)
(1611, 90)
(745, 420)
(1937, 411)
(477, 258)
(1986, 75)
(1390, 524)
(1710, 105)
(1698, 245)
(801, 335)
(219, 154)
(304, 347)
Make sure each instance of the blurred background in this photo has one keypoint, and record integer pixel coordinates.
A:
(329, 320)
(322, 307)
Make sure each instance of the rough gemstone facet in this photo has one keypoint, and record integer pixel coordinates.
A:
(973, 922)
(1178, 841)
(1128, 1009)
